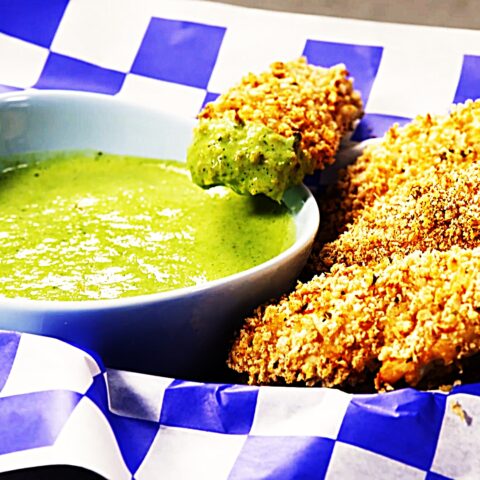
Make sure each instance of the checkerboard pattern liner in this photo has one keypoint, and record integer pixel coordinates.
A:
(130, 425)
(179, 55)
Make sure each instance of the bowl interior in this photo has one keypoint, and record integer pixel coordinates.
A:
(43, 121)
(47, 121)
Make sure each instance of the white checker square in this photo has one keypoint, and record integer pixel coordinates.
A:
(252, 46)
(350, 462)
(415, 79)
(457, 455)
(175, 98)
(87, 440)
(178, 453)
(21, 62)
(298, 411)
(107, 33)
(32, 457)
(136, 395)
(43, 363)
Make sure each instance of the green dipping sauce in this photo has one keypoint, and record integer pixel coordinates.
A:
(247, 157)
(86, 226)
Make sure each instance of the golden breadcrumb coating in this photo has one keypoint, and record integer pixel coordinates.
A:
(395, 319)
(437, 209)
(401, 290)
(403, 154)
(295, 98)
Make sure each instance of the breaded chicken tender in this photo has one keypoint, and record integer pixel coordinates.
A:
(393, 320)
(266, 133)
(437, 209)
(402, 155)
(295, 97)
(400, 290)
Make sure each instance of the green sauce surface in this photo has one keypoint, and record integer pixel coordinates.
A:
(85, 226)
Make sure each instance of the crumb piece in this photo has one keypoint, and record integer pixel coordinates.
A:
(458, 410)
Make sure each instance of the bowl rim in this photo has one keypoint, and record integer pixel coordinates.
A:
(303, 239)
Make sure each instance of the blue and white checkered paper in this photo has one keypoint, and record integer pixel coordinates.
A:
(58, 405)
(178, 54)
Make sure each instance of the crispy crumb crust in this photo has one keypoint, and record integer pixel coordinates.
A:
(393, 319)
(439, 210)
(402, 155)
(401, 289)
(295, 98)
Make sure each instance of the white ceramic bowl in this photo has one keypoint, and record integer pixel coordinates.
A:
(180, 333)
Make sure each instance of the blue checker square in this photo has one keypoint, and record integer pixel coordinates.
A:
(134, 438)
(374, 125)
(8, 349)
(210, 407)
(362, 61)
(209, 97)
(97, 393)
(34, 420)
(436, 476)
(283, 458)
(179, 52)
(469, 83)
(67, 73)
(467, 388)
(35, 21)
(402, 425)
